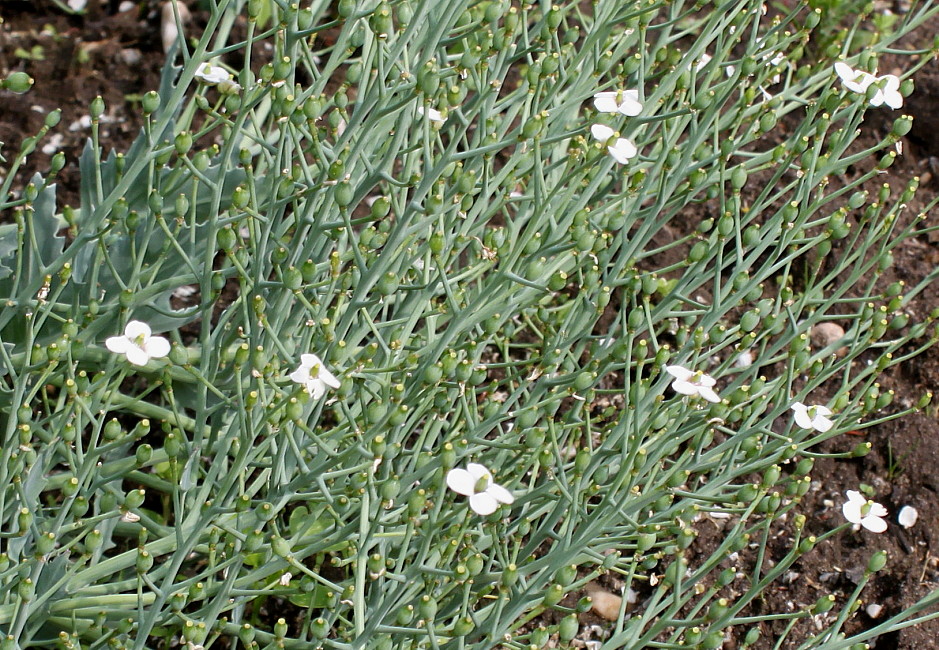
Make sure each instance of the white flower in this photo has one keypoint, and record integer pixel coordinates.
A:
(854, 80)
(314, 376)
(888, 85)
(860, 511)
(212, 74)
(774, 61)
(476, 482)
(621, 150)
(812, 417)
(689, 382)
(285, 579)
(888, 92)
(433, 115)
(701, 63)
(138, 344)
(77, 5)
(619, 101)
(908, 516)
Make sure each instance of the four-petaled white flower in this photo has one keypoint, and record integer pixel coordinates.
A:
(812, 417)
(888, 85)
(621, 150)
(476, 483)
(212, 74)
(690, 382)
(625, 102)
(433, 115)
(138, 344)
(862, 512)
(314, 376)
(888, 92)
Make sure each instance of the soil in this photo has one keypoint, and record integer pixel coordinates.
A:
(118, 55)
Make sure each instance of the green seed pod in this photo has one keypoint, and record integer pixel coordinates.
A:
(427, 608)
(553, 595)
(463, 626)
(568, 628)
(17, 82)
(144, 561)
(253, 541)
(902, 126)
(387, 284)
(93, 540)
(824, 604)
(135, 498)
(877, 562)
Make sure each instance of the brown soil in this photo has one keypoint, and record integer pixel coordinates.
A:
(118, 56)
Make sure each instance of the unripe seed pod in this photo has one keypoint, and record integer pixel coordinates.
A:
(877, 562)
(427, 608)
(553, 595)
(568, 628)
(17, 82)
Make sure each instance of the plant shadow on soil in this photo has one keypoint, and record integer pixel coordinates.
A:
(118, 55)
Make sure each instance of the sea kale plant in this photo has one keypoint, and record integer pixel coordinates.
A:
(401, 322)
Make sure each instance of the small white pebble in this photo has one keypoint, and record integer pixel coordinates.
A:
(908, 516)
(873, 610)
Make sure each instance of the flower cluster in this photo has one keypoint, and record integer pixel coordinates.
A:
(624, 102)
(887, 86)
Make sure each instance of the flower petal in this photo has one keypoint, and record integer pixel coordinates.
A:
(500, 494)
(156, 347)
(309, 360)
(684, 387)
(852, 511)
(328, 378)
(483, 503)
(877, 510)
(118, 344)
(301, 375)
(821, 424)
(803, 419)
(709, 394)
(605, 102)
(315, 388)
(137, 355)
(874, 524)
(461, 481)
(679, 372)
(601, 132)
(136, 328)
(623, 150)
(630, 106)
(844, 71)
(856, 497)
(478, 471)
